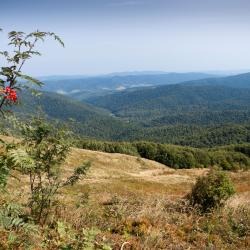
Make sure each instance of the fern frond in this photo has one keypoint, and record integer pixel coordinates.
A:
(10, 219)
(21, 160)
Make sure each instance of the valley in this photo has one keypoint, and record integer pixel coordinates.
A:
(200, 113)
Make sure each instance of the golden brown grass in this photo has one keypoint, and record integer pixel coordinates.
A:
(139, 201)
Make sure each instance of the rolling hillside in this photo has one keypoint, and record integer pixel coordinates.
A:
(203, 102)
(199, 115)
(138, 202)
(96, 123)
(89, 120)
(139, 175)
(118, 174)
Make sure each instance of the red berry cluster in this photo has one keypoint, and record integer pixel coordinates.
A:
(10, 94)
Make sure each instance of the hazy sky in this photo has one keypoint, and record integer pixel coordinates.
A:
(103, 36)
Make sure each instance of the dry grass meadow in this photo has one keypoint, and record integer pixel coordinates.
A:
(134, 203)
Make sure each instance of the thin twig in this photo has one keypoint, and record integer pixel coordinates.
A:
(124, 244)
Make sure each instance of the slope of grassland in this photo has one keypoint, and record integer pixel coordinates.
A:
(135, 203)
(119, 174)
(139, 201)
(123, 173)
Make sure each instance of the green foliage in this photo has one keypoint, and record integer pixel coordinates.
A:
(211, 191)
(4, 172)
(64, 237)
(229, 158)
(11, 218)
(202, 113)
(180, 104)
(96, 123)
(40, 156)
(16, 225)
(22, 48)
(199, 116)
(109, 147)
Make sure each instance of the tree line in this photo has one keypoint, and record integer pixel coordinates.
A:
(231, 157)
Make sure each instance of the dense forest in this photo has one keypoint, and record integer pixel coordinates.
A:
(202, 113)
(181, 103)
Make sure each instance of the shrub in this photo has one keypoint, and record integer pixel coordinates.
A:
(212, 190)
(40, 157)
(146, 150)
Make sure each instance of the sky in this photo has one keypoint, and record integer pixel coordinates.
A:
(104, 36)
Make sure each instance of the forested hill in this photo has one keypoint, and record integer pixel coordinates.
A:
(198, 102)
(200, 115)
(89, 121)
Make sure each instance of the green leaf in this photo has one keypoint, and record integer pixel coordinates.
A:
(30, 79)
(21, 160)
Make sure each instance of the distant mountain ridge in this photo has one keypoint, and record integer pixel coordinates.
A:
(202, 101)
(82, 88)
(235, 81)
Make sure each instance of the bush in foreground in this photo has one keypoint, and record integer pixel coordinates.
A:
(211, 191)
(40, 157)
